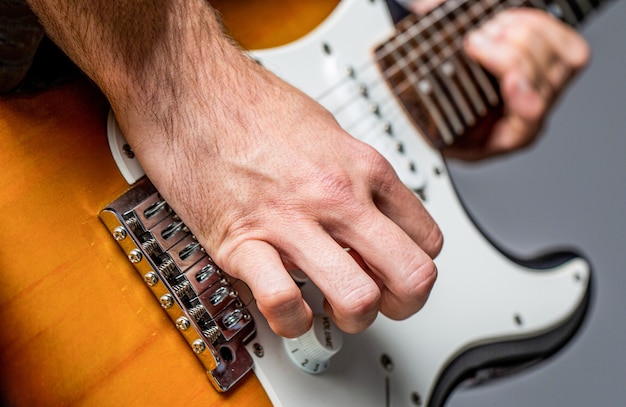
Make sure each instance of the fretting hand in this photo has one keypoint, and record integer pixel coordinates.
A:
(534, 56)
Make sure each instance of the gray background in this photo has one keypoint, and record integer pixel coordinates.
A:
(568, 189)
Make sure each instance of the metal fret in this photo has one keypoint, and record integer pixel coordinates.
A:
(425, 90)
(446, 68)
(430, 53)
(470, 89)
(450, 72)
(439, 106)
(451, 92)
(490, 92)
(467, 84)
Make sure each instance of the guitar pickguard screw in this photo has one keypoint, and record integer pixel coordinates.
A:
(416, 398)
(119, 233)
(326, 48)
(128, 152)
(258, 350)
(386, 361)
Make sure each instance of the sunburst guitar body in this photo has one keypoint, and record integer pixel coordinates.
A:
(79, 326)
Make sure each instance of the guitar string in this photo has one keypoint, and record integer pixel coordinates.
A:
(467, 83)
(429, 69)
(444, 92)
(416, 63)
(453, 8)
(437, 68)
(428, 46)
(446, 70)
(448, 4)
(447, 51)
(427, 20)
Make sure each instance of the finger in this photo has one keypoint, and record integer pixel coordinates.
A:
(511, 132)
(545, 50)
(526, 91)
(277, 296)
(407, 272)
(397, 202)
(558, 50)
(400, 205)
(565, 42)
(534, 56)
(402, 260)
(353, 296)
(491, 48)
(523, 100)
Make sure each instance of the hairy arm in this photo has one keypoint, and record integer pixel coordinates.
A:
(262, 175)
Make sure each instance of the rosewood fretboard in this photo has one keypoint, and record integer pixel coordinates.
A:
(447, 94)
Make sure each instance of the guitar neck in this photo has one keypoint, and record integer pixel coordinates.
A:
(448, 95)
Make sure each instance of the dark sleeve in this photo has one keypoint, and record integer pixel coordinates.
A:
(397, 11)
(20, 35)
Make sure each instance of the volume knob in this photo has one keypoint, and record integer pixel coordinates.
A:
(312, 351)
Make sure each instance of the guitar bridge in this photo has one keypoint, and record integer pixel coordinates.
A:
(207, 306)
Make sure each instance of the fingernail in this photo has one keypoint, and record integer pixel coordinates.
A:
(523, 86)
(479, 39)
(493, 29)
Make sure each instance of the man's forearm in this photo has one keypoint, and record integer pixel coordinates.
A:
(139, 51)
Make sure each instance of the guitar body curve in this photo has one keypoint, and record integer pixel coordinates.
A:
(80, 328)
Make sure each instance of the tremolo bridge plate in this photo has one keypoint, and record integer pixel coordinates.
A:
(207, 306)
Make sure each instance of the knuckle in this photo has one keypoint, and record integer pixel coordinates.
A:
(231, 255)
(359, 309)
(528, 15)
(581, 54)
(519, 33)
(408, 298)
(278, 300)
(535, 112)
(335, 188)
(381, 169)
(434, 242)
(374, 159)
(419, 282)
(380, 173)
(366, 302)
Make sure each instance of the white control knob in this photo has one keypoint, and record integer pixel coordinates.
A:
(312, 351)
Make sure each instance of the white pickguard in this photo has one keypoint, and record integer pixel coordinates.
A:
(481, 296)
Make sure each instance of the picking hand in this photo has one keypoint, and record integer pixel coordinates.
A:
(269, 181)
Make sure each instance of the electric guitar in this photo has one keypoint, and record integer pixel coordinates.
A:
(79, 326)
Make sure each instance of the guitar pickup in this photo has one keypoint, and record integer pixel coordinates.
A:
(203, 302)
